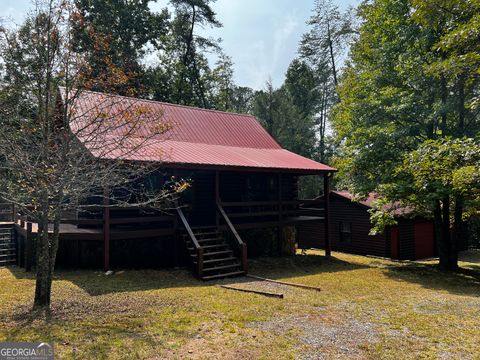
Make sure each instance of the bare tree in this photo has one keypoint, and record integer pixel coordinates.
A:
(60, 144)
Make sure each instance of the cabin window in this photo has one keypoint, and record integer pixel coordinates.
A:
(345, 231)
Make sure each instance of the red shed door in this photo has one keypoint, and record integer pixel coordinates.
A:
(394, 243)
(424, 240)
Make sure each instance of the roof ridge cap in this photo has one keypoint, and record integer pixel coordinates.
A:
(171, 104)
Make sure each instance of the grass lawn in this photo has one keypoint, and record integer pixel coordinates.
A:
(368, 309)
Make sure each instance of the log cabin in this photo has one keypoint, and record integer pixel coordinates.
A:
(241, 180)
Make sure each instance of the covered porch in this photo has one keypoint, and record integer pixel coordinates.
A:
(226, 201)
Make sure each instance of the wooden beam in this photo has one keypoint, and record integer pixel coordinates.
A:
(326, 192)
(285, 283)
(106, 230)
(264, 293)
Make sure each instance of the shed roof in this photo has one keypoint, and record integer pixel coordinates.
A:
(398, 210)
(198, 138)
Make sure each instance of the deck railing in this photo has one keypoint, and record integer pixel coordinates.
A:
(278, 210)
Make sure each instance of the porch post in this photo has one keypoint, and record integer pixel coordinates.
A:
(217, 197)
(106, 230)
(280, 215)
(326, 196)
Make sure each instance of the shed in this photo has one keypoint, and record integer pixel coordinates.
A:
(412, 239)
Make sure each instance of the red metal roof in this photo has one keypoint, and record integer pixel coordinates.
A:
(398, 210)
(198, 137)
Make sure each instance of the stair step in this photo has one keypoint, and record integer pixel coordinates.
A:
(219, 276)
(214, 253)
(212, 261)
(7, 262)
(223, 267)
(206, 247)
(207, 233)
(7, 250)
(203, 228)
(217, 239)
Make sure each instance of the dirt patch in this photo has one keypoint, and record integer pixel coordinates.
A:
(212, 341)
(322, 337)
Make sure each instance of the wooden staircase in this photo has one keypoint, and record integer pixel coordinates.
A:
(8, 252)
(217, 257)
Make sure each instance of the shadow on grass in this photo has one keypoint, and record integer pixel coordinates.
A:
(465, 281)
(98, 283)
(300, 265)
(40, 326)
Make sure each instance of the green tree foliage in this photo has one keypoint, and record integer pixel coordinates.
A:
(117, 33)
(242, 100)
(322, 49)
(276, 110)
(223, 76)
(405, 85)
(183, 73)
(427, 181)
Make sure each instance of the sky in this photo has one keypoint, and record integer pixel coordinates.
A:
(261, 36)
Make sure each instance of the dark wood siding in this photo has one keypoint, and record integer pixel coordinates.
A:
(343, 210)
(236, 186)
(407, 239)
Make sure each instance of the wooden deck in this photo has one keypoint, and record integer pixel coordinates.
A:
(111, 224)
(73, 232)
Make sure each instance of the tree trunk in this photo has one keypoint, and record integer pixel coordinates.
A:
(44, 273)
(458, 233)
(441, 245)
(451, 250)
(332, 56)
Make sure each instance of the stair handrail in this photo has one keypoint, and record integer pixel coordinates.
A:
(241, 244)
(188, 228)
(196, 244)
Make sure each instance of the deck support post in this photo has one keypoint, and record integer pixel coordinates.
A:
(200, 263)
(280, 215)
(243, 254)
(106, 229)
(326, 196)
